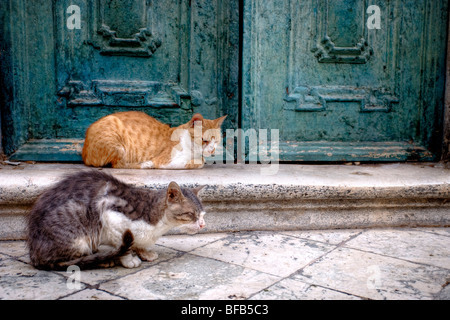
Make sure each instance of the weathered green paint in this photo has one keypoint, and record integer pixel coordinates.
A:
(51, 150)
(169, 59)
(353, 151)
(339, 91)
(334, 89)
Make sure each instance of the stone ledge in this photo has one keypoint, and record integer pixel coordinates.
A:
(239, 197)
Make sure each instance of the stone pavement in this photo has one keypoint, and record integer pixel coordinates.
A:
(332, 264)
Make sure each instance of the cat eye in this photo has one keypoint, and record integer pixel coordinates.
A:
(187, 215)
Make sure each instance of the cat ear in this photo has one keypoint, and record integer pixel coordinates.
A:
(174, 193)
(196, 190)
(220, 120)
(195, 117)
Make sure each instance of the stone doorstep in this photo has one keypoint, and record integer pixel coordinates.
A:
(241, 197)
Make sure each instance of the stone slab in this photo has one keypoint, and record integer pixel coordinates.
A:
(244, 197)
(318, 264)
(374, 276)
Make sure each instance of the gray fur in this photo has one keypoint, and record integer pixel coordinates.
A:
(72, 209)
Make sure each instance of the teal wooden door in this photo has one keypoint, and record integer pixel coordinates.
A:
(70, 62)
(346, 80)
(339, 80)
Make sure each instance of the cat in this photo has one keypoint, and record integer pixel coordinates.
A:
(135, 140)
(91, 219)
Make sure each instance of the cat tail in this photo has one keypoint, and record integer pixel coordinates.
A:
(93, 260)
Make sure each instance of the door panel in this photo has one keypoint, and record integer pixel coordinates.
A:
(339, 91)
(169, 59)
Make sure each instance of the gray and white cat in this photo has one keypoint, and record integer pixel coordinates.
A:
(91, 219)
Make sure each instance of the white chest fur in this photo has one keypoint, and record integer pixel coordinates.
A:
(145, 235)
(184, 152)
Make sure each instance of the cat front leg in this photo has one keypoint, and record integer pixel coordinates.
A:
(147, 255)
(130, 261)
(192, 165)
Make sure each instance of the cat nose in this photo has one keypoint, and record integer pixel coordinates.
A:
(202, 225)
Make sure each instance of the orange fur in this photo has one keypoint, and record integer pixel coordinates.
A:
(131, 139)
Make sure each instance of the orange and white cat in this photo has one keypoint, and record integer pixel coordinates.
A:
(135, 140)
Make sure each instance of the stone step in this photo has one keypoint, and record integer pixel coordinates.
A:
(241, 197)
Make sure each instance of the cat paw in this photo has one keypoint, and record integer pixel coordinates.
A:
(147, 255)
(147, 165)
(130, 261)
(192, 165)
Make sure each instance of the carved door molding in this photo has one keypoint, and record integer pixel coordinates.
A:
(341, 33)
(123, 33)
(123, 28)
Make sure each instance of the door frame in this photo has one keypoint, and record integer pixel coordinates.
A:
(446, 130)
